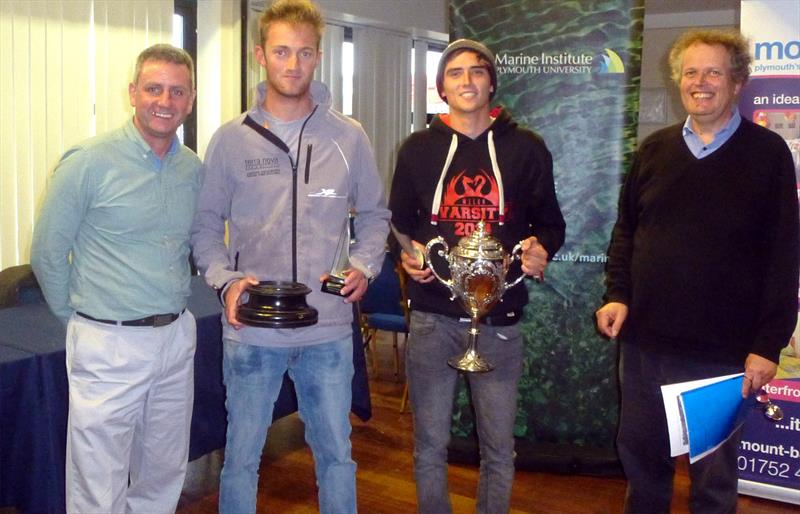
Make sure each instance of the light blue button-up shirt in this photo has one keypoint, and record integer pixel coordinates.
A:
(112, 240)
(700, 149)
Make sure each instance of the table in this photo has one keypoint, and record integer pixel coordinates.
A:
(34, 398)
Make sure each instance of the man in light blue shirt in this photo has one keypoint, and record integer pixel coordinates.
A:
(110, 250)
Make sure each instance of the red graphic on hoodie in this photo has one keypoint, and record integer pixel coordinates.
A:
(469, 199)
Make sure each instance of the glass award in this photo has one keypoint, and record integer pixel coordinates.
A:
(341, 260)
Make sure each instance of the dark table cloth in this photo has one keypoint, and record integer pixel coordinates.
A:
(33, 399)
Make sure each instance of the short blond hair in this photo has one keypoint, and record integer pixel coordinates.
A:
(293, 12)
(732, 40)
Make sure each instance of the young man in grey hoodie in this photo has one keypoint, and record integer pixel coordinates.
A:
(291, 138)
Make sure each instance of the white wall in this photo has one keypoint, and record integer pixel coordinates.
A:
(219, 58)
(422, 18)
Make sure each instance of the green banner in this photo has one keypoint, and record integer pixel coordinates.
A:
(569, 71)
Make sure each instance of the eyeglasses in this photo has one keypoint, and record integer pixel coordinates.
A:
(771, 410)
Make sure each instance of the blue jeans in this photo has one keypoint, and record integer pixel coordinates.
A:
(643, 439)
(322, 376)
(432, 386)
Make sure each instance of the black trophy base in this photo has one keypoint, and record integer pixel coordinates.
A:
(277, 305)
(333, 285)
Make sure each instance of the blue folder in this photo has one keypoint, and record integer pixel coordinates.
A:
(712, 413)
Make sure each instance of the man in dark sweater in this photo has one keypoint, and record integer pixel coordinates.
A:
(703, 268)
(471, 165)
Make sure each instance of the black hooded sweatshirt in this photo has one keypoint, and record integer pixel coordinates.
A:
(472, 189)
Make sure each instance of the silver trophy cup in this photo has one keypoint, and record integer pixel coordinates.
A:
(478, 267)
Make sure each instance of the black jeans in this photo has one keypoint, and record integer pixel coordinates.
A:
(643, 439)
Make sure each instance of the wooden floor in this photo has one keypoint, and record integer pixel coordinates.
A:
(382, 448)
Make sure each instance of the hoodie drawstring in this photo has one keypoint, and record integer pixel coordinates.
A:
(437, 196)
(497, 178)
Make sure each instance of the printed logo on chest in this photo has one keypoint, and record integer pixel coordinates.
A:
(469, 199)
(261, 167)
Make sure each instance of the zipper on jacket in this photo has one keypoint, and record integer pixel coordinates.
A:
(294, 193)
(271, 137)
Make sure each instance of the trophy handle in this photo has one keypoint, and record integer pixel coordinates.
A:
(516, 255)
(442, 253)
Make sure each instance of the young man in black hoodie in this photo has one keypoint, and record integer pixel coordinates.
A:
(471, 165)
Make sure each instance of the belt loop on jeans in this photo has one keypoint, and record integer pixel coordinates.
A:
(156, 320)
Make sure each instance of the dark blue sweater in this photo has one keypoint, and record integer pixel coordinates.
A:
(705, 251)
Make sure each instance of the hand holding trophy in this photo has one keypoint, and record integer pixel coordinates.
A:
(478, 267)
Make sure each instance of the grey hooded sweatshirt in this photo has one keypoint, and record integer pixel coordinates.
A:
(247, 180)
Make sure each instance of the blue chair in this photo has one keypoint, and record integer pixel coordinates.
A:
(385, 307)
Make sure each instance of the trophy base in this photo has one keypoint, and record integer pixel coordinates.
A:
(333, 285)
(470, 362)
(277, 305)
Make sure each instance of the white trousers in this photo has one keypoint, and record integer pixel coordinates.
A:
(131, 391)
